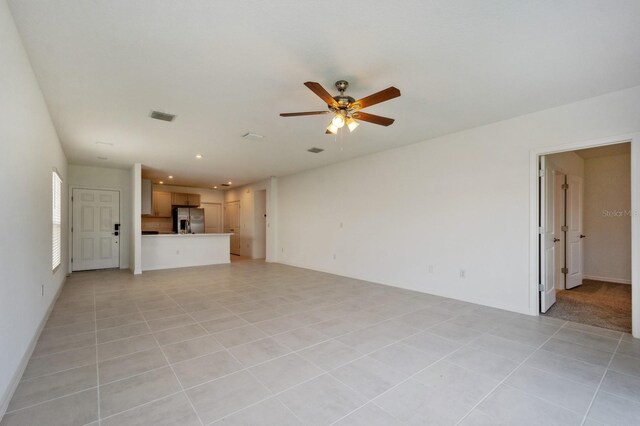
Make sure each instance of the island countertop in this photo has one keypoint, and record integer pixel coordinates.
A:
(164, 251)
(186, 235)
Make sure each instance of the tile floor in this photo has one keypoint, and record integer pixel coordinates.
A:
(266, 344)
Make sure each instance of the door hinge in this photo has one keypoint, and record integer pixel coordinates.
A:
(564, 270)
(540, 287)
(564, 228)
(541, 230)
(72, 198)
(565, 186)
(72, 229)
(72, 260)
(540, 173)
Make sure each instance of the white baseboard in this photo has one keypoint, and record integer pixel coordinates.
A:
(15, 380)
(606, 279)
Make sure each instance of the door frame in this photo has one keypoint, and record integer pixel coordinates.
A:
(70, 233)
(224, 222)
(634, 140)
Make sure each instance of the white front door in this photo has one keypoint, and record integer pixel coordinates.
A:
(96, 242)
(547, 235)
(232, 224)
(212, 218)
(575, 194)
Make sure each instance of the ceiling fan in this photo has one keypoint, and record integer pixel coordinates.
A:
(347, 110)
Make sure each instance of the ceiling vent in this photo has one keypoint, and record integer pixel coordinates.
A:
(315, 150)
(162, 116)
(251, 135)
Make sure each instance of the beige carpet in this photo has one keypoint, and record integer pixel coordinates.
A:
(597, 303)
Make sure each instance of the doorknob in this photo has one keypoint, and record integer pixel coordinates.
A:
(583, 236)
(555, 240)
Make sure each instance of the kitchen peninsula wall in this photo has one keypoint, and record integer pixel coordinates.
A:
(161, 224)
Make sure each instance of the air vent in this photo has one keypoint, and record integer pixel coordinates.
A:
(315, 150)
(224, 184)
(162, 116)
(251, 135)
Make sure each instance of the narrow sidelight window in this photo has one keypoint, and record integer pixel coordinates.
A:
(56, 220)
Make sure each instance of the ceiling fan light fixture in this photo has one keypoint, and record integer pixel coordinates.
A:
(352, 124)
(331, 128)
(338, 121)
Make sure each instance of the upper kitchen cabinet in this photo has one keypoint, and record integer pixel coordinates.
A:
(186, 200)
(161, 204)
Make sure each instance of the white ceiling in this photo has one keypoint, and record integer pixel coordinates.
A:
(226, 68)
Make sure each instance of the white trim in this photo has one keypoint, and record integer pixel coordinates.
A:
(17, 375)
(634, 139)
(607, 279)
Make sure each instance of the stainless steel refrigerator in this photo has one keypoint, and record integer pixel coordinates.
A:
(188, 220)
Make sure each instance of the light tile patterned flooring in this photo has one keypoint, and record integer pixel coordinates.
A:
(265, 344)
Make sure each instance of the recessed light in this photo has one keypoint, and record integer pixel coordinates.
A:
(215, 187)
(229, 182)
(198, 156)
(170, 177)
(315, 150)
(161, 182)
(102, 158)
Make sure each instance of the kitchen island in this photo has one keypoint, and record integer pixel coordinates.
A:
(165, 251)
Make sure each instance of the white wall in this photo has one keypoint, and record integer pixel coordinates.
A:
(108, 178)
(245, 194)
(461, 201)
(607, 248)
(30, 151)
(135, 263)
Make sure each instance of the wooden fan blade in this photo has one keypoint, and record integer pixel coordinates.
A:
(375, 119)
(297, 114)
(376, 98)
(321, 92)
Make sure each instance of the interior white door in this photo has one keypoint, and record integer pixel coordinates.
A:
(559, 234)
(575, 255)
(232, 224)
(212, 218)
(96, 241)
(548, 238)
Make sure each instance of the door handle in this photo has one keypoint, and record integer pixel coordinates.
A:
(555, 240)
(583, 236)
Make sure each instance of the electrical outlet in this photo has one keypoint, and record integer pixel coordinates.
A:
(341, 225)
(334, 256)
(430, 269)
(463, 273)
(177, 251)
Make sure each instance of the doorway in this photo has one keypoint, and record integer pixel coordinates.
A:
(260, 225)
(212, 218)
(95, 229)
(232, 225)
(585, 221)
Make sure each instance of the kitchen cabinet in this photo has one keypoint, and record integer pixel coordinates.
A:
(161, 204)
(185, 200)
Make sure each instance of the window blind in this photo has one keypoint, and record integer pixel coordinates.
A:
(56, 220)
